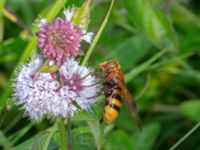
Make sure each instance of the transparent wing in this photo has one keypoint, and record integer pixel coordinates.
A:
(131, 104)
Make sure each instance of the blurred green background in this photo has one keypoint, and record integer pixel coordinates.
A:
(167, 89)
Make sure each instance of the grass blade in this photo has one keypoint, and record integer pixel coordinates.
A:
(52, 131)
(90, 50)
(132, 74)
(4, 141)
(185, 136)
(20, 133)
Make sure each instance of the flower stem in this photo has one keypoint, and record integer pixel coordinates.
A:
(185, 136)
(96, 38)
(52, 131)
(62, 132)
(68, 132)
(100, 142)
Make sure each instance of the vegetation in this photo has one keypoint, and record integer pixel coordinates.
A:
(156, 42)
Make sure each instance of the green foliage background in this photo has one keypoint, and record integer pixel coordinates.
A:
(157, 43)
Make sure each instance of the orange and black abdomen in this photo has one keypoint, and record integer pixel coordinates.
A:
(113, 104)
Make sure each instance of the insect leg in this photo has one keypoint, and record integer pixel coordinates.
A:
(97, 95)
(96, 83)
(93, 73)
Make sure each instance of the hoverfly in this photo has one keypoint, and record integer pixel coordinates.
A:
(114, 90)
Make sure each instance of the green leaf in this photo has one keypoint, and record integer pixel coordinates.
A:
(49, 136)
(40, 141)
(47, 68)
(191, 109)
(14, 121)
(81, 15)
(82, 139)
(154, 23)
(94, 126)
(118, 140)
(4, 141)
(183, 16)
(11, 50)
(144, 140)
(57, 6)
(20, 133)
(97, 132)
(95, 113)
(25, 145)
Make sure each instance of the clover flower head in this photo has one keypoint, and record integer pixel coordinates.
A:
(60, 39)
(43, 94)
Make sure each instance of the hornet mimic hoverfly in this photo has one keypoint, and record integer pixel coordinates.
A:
(114, 90)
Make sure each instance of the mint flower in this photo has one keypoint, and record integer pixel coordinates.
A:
(79, 80)
(78, 90)
(28, 91)
(60, 39)
(67, 91)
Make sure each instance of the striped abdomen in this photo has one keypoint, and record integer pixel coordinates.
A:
(112, 106)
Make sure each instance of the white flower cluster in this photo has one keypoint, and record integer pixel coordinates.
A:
(45, 95)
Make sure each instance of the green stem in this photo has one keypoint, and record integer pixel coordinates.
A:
(52, 131)
(145, 88)
(68, 132)
(90, 50)
(100, 141)
(185, 136)
(165, 108)
(62, 133)
(170, 60)
(132, 74)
